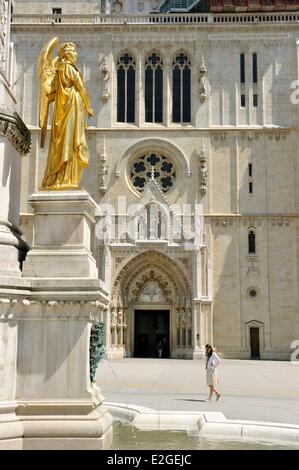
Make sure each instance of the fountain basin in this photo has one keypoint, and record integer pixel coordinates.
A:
(207, 425)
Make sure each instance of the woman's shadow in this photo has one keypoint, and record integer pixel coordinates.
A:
(188, 399)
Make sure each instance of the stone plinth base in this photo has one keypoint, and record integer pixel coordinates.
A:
(198, 353)
(54, 426)
(12, 249)
(65, 426)
(115, 353)
(11, 428)
(63, 222)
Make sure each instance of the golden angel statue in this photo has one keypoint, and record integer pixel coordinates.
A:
(61, 82)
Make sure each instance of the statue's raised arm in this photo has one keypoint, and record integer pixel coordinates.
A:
(61, 82)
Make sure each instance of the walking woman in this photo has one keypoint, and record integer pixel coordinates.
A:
(212, 363)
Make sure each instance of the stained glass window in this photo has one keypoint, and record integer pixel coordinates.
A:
(126, 88)
(181, 91)
(154, 88)
(152, 165)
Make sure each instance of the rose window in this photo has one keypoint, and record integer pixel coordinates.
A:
(152, 165)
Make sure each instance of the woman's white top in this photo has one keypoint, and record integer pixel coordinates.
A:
(213, 361)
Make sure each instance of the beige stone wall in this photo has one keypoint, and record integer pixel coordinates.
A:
(86, 7)
(233, 137)
(67, 6)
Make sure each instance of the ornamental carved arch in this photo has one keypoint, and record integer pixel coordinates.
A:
(150, 285)
(148, 267)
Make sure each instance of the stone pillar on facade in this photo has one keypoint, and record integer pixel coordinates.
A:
(196, 315)
(15, 141)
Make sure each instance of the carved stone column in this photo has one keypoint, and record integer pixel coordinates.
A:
(198, 351)
(15, 141)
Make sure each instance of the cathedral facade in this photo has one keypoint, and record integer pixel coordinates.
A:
(193, 164)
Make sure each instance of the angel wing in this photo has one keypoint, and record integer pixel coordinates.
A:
(46, 74)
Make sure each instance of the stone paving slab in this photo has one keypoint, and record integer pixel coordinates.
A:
(254, 390)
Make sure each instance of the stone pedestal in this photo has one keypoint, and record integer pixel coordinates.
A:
(63, 222)
(59, 406)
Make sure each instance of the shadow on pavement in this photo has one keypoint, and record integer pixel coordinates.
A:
(188, 399)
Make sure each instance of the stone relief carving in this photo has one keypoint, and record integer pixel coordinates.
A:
(13, 128)
(118, 6)
(120, 316)
(151, 292)
(202, 81)
(154, 4)
(253, 264)
(113, 313)
(149, 281)
(103, 172)
(203, 171)
(105, 78)
(93, 311)
(177, 317)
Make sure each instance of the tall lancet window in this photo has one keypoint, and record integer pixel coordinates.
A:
(254, 67)
(251, 242)
(154, 88)
(242, 68)
(181, 92)
(126, 88)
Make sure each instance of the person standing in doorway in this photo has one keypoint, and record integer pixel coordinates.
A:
(160, 348)
(212, 362)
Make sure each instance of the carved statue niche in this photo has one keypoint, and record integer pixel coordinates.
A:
(105, 78)
(118, 6)
(154, 4)
(202, 81)
(103, 170)
(203, 171)
(113, 312)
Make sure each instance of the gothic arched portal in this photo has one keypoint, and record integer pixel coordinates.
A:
(151, 300)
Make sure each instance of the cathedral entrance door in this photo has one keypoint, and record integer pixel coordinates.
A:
(151, 337)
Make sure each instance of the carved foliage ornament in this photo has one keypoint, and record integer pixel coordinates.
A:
(13, 128)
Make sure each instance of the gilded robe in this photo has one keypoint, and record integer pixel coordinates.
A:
(68, 151)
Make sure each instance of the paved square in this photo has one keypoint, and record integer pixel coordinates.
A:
(253, 390)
